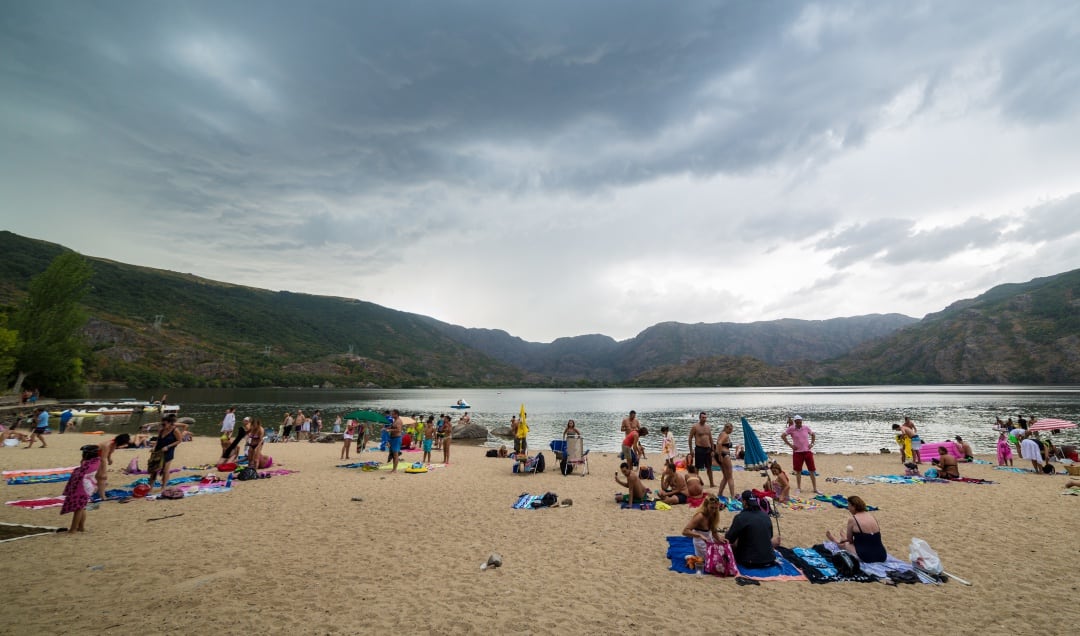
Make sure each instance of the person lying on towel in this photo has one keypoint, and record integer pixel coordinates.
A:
(751, 535)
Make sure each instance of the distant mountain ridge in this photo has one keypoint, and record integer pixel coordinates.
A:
(217, 334)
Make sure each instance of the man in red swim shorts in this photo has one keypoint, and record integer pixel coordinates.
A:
(801, 440)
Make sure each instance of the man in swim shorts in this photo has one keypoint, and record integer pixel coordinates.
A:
(801, 440)
(395, 438)
(701, 445)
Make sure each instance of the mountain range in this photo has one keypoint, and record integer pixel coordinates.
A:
(153, 328)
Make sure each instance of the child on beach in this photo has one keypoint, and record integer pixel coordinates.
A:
(668, 443)
(350, 430)
(429, 439)
(1004, 451)
(81, 486)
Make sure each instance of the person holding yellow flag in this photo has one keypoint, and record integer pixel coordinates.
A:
(520, 430)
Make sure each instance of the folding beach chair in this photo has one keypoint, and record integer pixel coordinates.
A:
(558, 447)
(576, 455)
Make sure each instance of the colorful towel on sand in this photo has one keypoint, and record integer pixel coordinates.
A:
(972, 480)
(37, 504)
(38, 479)
(855, 481)
(839, 501)
(784, 570)
(191, 491)
(363, 465)
(643, 505)
(817, 567)
(798, 504)
(980, 461)
(26, 472)
(1072, 491)
(732, 505)
(891, 565)
(905, 479)
(1014, 469)
(525, 502)
(172, 482)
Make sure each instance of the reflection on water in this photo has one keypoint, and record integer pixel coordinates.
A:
(846, 419)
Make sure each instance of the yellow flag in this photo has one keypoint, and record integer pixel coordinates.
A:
(523, 428)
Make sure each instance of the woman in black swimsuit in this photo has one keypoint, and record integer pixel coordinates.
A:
(723, 450)
(862, 537)
(164, 449)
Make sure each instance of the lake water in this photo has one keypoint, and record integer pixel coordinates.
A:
(845, 419)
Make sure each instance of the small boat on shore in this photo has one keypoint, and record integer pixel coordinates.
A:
(461, 404)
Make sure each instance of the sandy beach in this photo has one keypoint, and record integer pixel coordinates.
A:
(297, 554)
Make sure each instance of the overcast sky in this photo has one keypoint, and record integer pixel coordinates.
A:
(555, 168)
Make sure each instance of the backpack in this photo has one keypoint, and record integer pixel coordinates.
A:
(646, 472)
(492, 453)
(845, 563)
(248, 473)
(549, 499)
(720, 560)
(540, 465)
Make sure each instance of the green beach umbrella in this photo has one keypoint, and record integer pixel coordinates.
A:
(366, 416)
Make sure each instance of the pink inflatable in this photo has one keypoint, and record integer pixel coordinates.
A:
(266, 461)
(929, 452)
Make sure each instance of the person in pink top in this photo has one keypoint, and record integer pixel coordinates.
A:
(801, 440)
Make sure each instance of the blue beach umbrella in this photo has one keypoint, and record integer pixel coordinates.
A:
(754, 457)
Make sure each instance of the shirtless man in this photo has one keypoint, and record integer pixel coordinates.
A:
(701, 445)
(632, 423)
(908, 430)
(969, 454)
(395, 438)
(632, 483)
(672, 485)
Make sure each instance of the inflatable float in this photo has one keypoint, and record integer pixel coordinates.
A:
(416, 468)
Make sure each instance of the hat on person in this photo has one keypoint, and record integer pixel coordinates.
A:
(797, 418)
(247, 419)
(747, 495)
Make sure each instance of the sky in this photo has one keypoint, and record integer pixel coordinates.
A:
(554, 168)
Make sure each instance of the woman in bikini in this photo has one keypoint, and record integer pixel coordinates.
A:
(704, 526)
(695, 488)
(723, 451)
(347, 437)
(256, 435)
(862, 537)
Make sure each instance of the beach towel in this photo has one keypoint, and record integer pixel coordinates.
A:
(980, 461)
(525, 501)
(817, 567)
(1072, 491)
(38, 479)
(1014, 469)
(362, 465)
(638, 505)
(798, 504)
(37, 471)
(38, 503)
(855, 481)
(191, 491)
(906, 479)
(839, 501)
(172, 482)
(972, 480)
(890, 566)
(732, 505)
(680, 546)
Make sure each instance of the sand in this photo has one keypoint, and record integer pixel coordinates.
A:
(296, 554)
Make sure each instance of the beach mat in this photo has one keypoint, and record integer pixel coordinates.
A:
(525, 502)
(798, 504)
(38, 479)
(839, 501)
(817, 567)
(644, 505)
(884, 569)
(38, 503)
(905, 479)
(679, 547)
(26, 472)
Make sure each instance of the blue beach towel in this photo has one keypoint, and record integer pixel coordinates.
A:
(679, 547)
(525, 502)
(839, 501)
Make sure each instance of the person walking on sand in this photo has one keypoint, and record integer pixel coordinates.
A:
(41, 427)
(723, 452)
(80, 487)
(801, 440)
(701, 445)
(164, 450)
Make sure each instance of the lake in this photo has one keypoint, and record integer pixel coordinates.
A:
(845, 419)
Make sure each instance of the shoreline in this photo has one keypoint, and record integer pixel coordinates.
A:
(296, 553)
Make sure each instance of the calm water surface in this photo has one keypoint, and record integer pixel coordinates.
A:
(846, 419)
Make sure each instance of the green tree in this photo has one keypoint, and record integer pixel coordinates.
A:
(9, 340)
(48, 321)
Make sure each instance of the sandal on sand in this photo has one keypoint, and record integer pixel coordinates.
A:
(742, 580)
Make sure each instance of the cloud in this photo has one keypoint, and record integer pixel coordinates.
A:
(602, 166)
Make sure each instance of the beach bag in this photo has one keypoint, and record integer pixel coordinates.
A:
(646, 472)
(720, 560)
(549, 499)
(171, 493)
(845, 563)
(924, 557)
(247, 474)
(492, 453)
(540, 465)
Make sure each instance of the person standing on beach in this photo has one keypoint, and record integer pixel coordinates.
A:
(701, 445)
(347, 437)
(521, 436)
(801, 440)
(164, 450)
(912, 433)
(286, 427)
(316, 425)
(302, 426)
(228, 423)
(632, 423)
(395, 438)
(448, 436)
(41, 426)
(429, 439)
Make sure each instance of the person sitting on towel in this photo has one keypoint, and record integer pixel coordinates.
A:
(751, 535)
(631, 481)
(946, 463)
(862, 537)
(672, 485)
(969, 454)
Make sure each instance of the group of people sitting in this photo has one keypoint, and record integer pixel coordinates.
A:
(753, 542)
